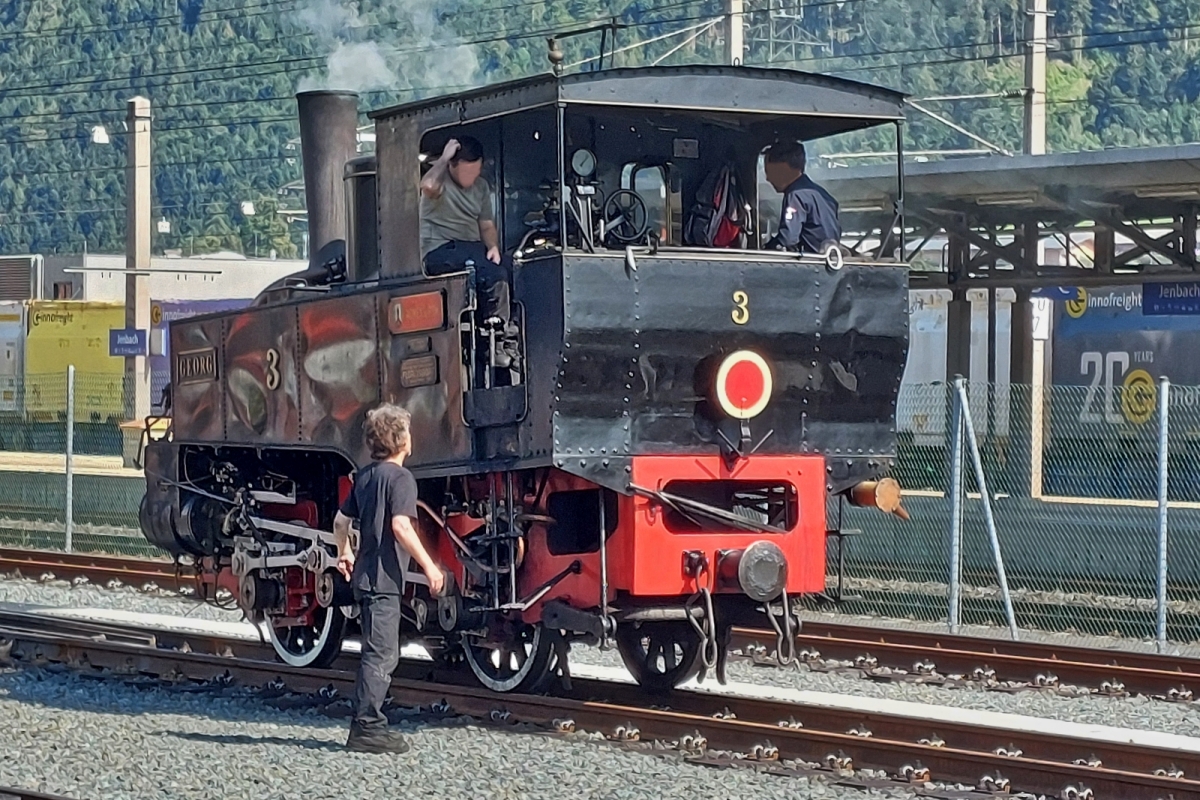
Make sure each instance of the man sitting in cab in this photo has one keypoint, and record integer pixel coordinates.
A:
(808, 219)
(458, 225)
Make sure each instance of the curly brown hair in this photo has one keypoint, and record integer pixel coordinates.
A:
(387, 431)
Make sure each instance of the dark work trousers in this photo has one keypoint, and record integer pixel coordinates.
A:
(380, 655)
(491, 280)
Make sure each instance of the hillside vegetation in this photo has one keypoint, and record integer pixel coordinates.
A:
(221, 75)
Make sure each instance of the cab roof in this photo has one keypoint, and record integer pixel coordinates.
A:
(721, 90)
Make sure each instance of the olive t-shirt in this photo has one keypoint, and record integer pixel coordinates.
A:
(382, 490)
(455, 215)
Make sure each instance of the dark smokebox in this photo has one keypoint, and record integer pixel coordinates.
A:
(328, 139)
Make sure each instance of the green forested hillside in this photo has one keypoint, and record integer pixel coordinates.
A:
(221, 75)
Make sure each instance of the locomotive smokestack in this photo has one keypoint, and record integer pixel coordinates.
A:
(328, 139)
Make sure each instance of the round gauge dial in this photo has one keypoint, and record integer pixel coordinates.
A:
(583, 163)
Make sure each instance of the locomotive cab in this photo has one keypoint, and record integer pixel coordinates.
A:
(654, 465)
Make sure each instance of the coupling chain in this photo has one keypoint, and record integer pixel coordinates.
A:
(710, 648)
(785, 637)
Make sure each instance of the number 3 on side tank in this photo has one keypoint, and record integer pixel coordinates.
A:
(741, 307)
(272, 369)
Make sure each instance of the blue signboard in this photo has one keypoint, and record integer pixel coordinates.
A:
(128, 342)
(1175, 297)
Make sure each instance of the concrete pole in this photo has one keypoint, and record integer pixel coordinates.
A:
(735, 39)
(1035, 77)
(68, 542)
(137, 253)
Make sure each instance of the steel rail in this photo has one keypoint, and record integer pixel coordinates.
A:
(14, 793)
(698, 725)
(95, 567)
(1034, 663)
(880, 651)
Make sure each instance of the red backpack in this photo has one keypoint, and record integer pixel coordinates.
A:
(718, 218)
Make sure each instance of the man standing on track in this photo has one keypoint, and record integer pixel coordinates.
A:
(384, 501)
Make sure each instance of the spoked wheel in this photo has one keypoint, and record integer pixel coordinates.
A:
(316, 645)
(626, 219)
(659, 655)
(522, 662)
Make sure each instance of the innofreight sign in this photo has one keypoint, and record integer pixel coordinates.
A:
(1108, 345)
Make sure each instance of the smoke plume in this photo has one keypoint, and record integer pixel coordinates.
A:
(397, 47)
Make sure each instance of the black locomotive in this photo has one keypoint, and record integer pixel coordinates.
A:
(654, 464)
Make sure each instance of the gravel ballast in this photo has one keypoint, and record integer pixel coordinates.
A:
(1124, 712)
(92, 738)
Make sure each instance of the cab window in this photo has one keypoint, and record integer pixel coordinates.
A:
(651, 183)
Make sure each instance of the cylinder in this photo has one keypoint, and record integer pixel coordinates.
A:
(883, 494)
(328, 139)
(362, 227)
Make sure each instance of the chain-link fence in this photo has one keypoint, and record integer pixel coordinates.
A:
(1072, 475)
(1073, 481)
(105, 489)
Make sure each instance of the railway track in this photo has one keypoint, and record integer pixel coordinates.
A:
(939, 759)
(95, 567)
(885, 654)
(13, 793)
(878, 653)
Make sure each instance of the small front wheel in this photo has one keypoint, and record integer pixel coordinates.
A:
(659, 655)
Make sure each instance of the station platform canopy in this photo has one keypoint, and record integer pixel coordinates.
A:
(995, 209)
(1145, 181)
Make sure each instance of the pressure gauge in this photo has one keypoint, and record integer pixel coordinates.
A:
(583, 163)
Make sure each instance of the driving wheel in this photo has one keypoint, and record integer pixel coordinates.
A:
(316, 645)
(516, 660)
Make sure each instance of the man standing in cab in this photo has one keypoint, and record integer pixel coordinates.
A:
(808, 219)
(384, 501)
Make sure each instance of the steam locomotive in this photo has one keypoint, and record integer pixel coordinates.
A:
(652, 468)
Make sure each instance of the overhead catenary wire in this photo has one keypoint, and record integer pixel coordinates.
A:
(704, 22)
(62, 86)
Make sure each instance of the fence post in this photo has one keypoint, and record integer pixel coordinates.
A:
(993, 535)
(956, 505)
(1164, 402)
(70, 511)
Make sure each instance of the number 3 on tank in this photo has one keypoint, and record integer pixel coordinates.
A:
(272, 369)
(741, 307)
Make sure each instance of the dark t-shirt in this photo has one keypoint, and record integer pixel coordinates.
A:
(808, 218)
(382, 490)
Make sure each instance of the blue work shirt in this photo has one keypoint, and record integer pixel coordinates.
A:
(807, 219)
